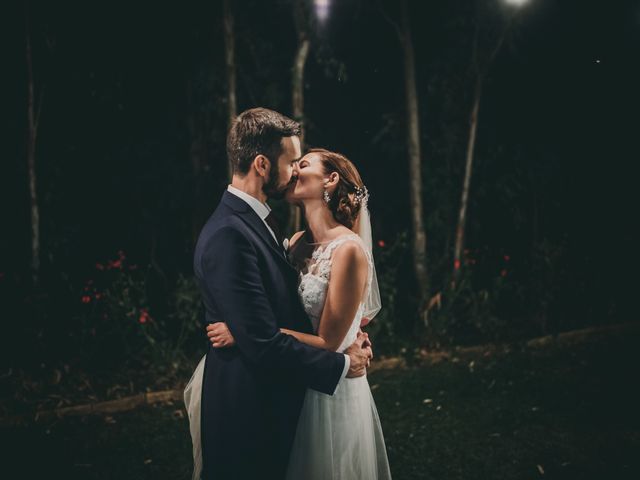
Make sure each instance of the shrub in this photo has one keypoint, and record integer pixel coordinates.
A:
(130, 316)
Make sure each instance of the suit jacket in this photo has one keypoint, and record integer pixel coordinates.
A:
(252, 393)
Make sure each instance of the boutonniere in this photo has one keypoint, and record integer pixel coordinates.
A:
(288, 254)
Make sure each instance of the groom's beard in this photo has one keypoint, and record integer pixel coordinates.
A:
(272, 189)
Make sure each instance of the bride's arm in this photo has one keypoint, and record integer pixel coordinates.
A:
(348, 281)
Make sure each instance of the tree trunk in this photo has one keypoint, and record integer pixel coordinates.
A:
(197, 142)
(415, 158)
(468, 172)
(230, 64)
(297, 90)
(481, 71)
(298, 85)
(31, 158)
(300, 60)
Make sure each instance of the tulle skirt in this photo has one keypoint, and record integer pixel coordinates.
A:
(192, 401)
(339, 436)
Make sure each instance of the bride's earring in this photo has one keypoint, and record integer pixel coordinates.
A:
(326, 196)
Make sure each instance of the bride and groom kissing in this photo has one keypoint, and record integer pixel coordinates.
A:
(282, 391)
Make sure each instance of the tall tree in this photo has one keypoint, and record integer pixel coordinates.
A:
(480, 68)
(33, 116)
(198, 125)
(466, 182)
(414, 150)
(230, 67)
(301, 22)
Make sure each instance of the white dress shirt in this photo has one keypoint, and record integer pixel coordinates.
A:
(262, 210)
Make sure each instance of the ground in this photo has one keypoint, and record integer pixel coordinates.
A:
(567, 412)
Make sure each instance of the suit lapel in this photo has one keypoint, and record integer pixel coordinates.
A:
(251, 218)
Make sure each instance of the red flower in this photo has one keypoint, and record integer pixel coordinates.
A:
(381, 243)
(456, 264)
(99, 266)
(86, 299)
(115, 264)
(503, 272)
(144, 316)
(507, 258)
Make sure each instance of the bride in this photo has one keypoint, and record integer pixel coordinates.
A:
(338, 436)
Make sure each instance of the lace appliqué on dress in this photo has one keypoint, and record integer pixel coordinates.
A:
(314, 281)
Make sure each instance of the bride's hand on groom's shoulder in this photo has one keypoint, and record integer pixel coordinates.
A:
(360, 354)
(219, 335)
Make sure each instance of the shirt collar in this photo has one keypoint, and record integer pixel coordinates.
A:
(262, 209)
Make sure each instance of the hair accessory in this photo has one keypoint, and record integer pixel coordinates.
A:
(362, 195)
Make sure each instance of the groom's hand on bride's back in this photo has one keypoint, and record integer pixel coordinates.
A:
(219, 335)
(360, 354)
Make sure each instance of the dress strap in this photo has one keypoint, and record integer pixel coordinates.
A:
(322, 257)
(355, 237)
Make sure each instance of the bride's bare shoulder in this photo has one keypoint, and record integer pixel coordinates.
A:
(350, 253)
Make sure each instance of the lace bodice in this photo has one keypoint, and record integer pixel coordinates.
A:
(314, 282)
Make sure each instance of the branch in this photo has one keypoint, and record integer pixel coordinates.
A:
(498, 46)
(494, 53)
(37, 119)
(391, 21)
(301, 20)
(475, 65)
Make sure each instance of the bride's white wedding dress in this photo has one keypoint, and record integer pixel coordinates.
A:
(338, 436)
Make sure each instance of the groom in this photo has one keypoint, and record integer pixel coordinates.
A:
(252, 392)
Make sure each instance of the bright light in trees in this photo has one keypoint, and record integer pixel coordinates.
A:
(322, 9)
(516, 3)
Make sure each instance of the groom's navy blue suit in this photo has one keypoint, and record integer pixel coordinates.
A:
(252, 393)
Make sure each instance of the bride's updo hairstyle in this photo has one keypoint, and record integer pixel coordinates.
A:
(344, 204)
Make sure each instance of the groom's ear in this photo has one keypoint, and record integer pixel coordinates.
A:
(262, 165)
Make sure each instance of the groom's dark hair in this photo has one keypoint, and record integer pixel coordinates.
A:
(258, 131)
